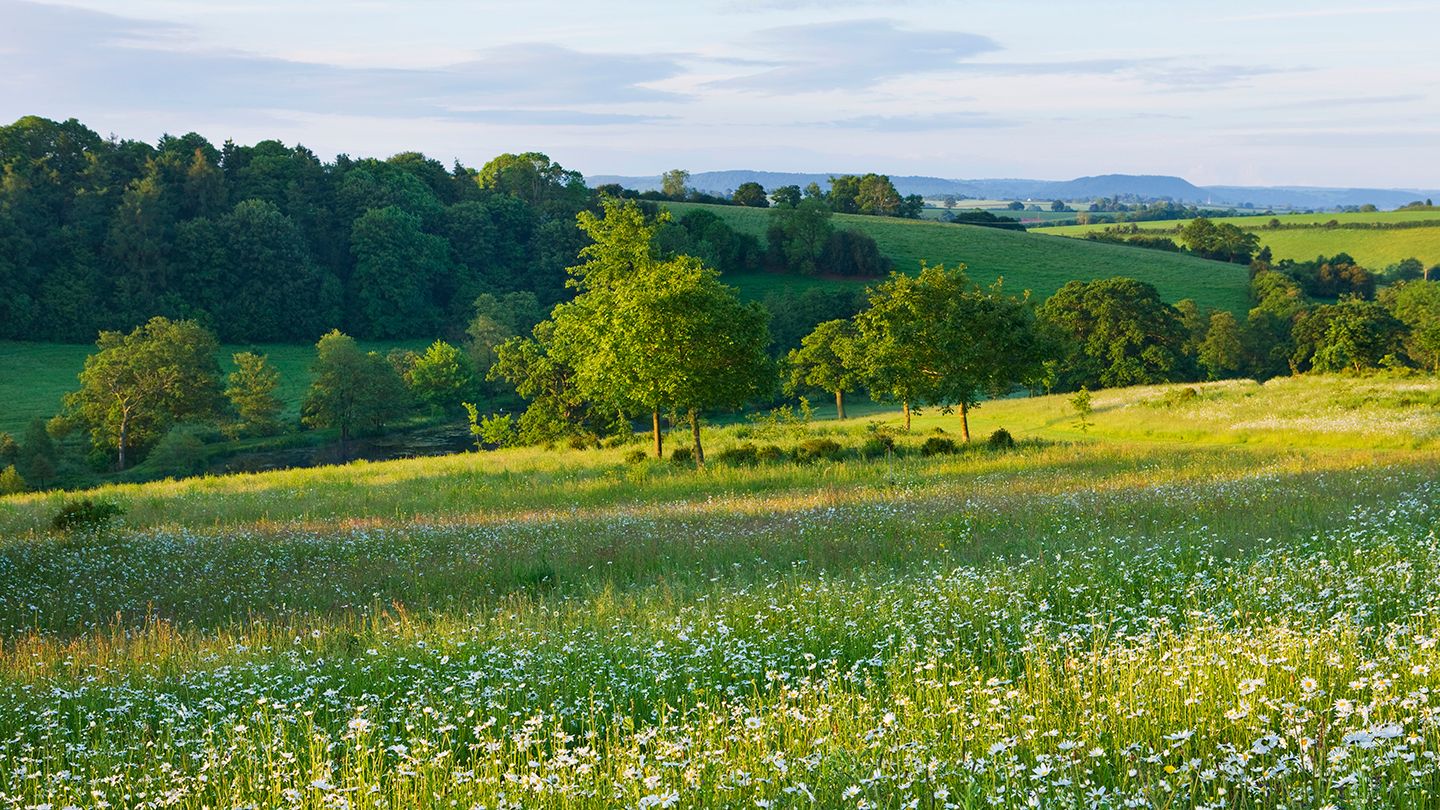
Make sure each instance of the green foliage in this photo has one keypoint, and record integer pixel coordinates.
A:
(11, 481)
(138, 384)
(85, 516)
(1222, 352)
(499, 430)
(798, 235)
(1116, 332)
(251, 388)
(938, 446)
(674, 184)
(1353, 335)
(1001, 440)
(683, 456)
(1220, 241)
(181, 452)
(826, 360)
(739, 455)
(440, 376)
(636, 456)
(351, 390)
(1417, 305)
(751, 194)
(1081, 404)
(818, 449)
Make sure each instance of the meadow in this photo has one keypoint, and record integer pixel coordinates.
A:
(1028, 261)
(1375, 249)
(1213, 596)
(35, 377)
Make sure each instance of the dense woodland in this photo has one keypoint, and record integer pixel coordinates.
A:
(623, 321)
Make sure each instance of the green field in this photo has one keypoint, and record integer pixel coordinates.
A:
(1226, 600)
(35, 376)
(1028, 261)
(1375, 249)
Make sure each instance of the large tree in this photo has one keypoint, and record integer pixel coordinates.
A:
(351, 389)
(251, 390)
(1417, 305)
(1352, 335)
(937, 339)
(1118, 331)
(826, 360)
(139, 384)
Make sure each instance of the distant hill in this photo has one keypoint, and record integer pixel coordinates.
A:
(1148, 186)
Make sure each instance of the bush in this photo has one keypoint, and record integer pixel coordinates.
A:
(937, 445)
(682, 455)
(636, 456)
(579, 441)
(1180, 396)
(180, 453)
(11, 481)
(1001, 440)
(878, 445)
(818, 450)
(739, 455)
(769, 453)
(85, 516)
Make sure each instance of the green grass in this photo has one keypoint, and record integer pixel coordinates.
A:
(34, 377)
(1375, 249)
(1228, 596)
(1027, 261)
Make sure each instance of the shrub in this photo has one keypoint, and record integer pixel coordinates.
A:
(636, 456)
(682, 455)
(180, 453)
(579, 441)
(1180, 396)
(769, 453)
(11, 481)
(818, 450)
(743, 454)
(877, 445)
(85, 516)
(937, 445)
(1001, 440)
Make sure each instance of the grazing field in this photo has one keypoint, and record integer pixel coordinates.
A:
(1224, 598)
(35, 376)
(1375, 249)
(1032, 261)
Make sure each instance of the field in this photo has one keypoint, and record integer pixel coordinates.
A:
(1033, 261)
(1375, 249)
(1224, 598)
(35, 376)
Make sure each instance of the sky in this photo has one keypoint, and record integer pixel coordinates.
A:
(1314, 92)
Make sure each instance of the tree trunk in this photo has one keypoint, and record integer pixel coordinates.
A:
(965, 422)
(907, 416)
(655, 430)
(695, 432)
(124, 437)
(839, 404)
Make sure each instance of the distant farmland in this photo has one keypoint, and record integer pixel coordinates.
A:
(1028, 261)
(1376, 249)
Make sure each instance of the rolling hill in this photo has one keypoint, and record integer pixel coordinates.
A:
(1375, 249)
(1027, 261)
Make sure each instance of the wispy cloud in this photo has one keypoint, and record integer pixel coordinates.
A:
(918, 123)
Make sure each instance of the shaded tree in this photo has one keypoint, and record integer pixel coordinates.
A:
(1117, 331)
(251, 388)
(825, 360)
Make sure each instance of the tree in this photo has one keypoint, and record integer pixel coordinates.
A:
(351, 389)
(251, 390)
(1119, 332)
(798, 236)
(498, 318)
(936, 339)
(825, 361)
(648, 334)
(1354, 335)
(532, 177)
(11, 481)
(787, 196)
(1222, 352)
(440, 376)
(397, 270)
(853, 254)
(138, 384)
(1081, 403)
(1417, 305)
(673, 184)
(751, 195)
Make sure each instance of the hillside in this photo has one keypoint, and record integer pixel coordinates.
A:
(1027, 261)
(1375, 249)
(561, 628)
(1081, 188)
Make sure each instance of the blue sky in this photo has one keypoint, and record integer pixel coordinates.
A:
(1300, 93)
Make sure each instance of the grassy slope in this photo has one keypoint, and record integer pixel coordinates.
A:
(1037, 262)
(1375, 249)
(34, 376)
(1121, 611)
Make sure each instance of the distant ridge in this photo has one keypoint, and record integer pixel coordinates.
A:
(1146, 186)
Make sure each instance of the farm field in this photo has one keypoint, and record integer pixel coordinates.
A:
(1219, 598)
(1375, 249)
(1032, 261)
(34, 377)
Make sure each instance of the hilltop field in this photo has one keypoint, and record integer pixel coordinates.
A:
(1222, 595)
(1373, 248)
(1027, 261)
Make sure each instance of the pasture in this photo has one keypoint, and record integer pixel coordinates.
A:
(1027, 261)
(1375, 249)
(34, 377)
(1224, 598)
